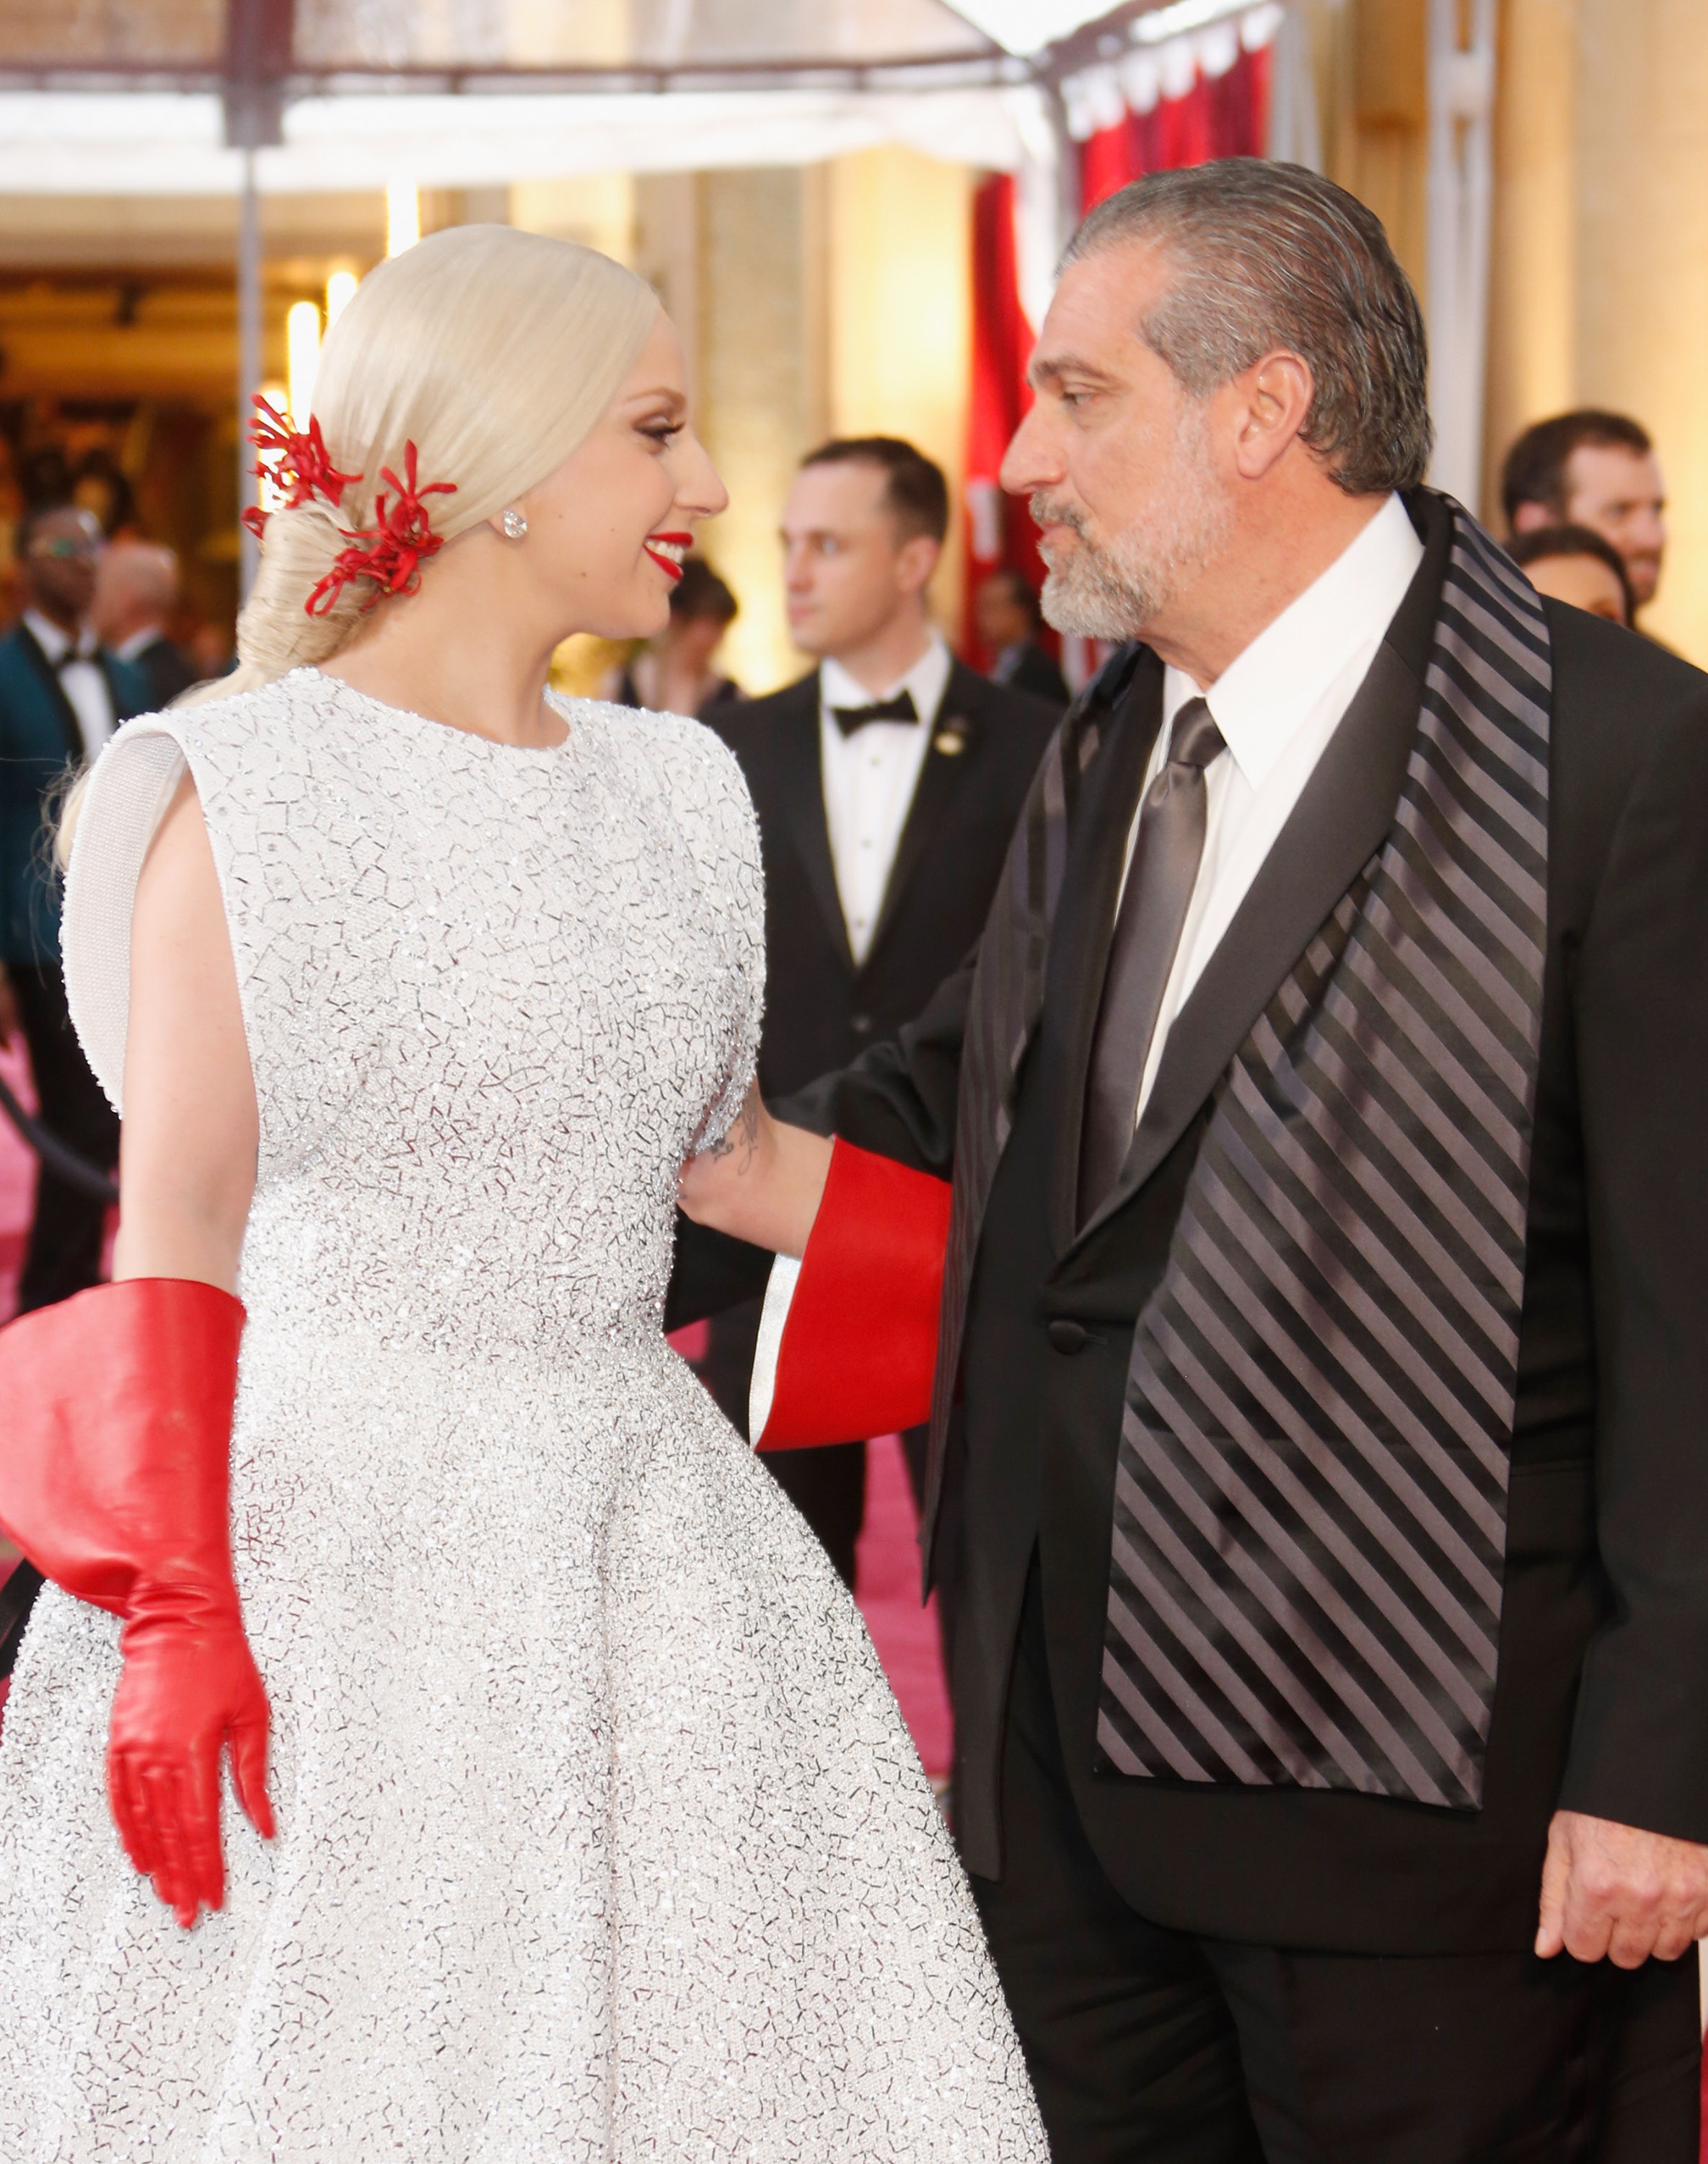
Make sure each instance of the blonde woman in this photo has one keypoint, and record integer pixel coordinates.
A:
(569, 1816)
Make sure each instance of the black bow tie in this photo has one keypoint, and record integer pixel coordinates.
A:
(901, 708)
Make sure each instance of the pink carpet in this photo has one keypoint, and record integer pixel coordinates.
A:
(886, 1585)
(17, 1195)
(16, 1181)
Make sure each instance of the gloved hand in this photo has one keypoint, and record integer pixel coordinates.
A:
(116, 1408)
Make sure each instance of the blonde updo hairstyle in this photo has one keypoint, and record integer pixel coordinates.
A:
(494, 352)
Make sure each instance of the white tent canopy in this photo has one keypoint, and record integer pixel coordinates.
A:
(172, 142)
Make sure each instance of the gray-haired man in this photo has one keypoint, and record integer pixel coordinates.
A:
(1326, 1271)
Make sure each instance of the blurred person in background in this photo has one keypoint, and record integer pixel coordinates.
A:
(1597, 470)
(101, 486)
(673, 674)
(1571, 563)
(212, 650)
(62, 693)
(887, 783)
(11, 511)
(1009, 618)
(136, 588)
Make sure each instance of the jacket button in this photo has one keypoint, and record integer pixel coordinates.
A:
(1068, 1336)
(860, 1024)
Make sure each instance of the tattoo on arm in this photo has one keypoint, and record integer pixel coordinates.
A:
(743, 1136)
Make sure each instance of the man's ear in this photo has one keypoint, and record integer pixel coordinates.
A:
(1273, 403)
(1531, 518)
(915, 560)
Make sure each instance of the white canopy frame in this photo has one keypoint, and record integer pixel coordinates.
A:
(990, 95)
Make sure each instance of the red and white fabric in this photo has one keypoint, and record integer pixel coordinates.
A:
(848, 1345)
(1200, 96)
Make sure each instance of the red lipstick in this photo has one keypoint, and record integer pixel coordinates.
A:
(668, 563)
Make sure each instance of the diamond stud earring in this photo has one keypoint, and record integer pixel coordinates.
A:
(514, 524)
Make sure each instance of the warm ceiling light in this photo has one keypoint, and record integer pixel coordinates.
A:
(301, 357)
(339, 287)
(403, 216)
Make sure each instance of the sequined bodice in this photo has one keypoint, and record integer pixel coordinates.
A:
(493, 997)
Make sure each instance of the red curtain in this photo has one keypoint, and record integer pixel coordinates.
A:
(1222, 115)
(999, 531)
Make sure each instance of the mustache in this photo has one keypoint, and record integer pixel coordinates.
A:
(1046, 512)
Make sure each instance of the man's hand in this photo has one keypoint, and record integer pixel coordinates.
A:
(8, 1011)
(1615, 1891)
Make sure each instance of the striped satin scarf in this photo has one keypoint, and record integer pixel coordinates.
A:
(1310, 1498)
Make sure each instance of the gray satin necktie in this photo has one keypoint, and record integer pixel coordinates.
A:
(1147, 925)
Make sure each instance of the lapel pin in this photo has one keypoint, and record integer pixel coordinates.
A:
(951, 739)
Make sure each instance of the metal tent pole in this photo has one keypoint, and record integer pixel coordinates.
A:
(249, 362)
(260, 42)
(1461, 50)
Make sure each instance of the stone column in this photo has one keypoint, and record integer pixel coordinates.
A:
(756, 403)
(1599, 286)
(900, 319)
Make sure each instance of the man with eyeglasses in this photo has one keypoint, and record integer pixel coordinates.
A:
(61, 695)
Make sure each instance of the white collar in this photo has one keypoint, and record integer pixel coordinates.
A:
(138, 642)
(53, 642)
(1264, 693)
(927, 680)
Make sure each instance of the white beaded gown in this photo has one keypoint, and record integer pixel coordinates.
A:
(599, 1836)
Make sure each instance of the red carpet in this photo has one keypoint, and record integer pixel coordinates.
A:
(886, 1585)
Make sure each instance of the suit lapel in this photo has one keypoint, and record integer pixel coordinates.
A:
(801, 786)
(1079, 948)
(111, 669)
(1341, 818)
(54, 691)
(954, 738)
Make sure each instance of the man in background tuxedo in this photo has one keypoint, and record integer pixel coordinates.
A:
(1008, 619)
(136, 589)
(1326, 1269)
(1594, 468)
(61, 695)
(886, 783)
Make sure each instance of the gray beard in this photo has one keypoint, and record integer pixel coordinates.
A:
(1120, 590)
(1097, 596)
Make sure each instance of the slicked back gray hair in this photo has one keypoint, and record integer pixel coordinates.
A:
(1272, 257)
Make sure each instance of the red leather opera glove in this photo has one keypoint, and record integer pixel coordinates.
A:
(116, 1408)
(858, 1349)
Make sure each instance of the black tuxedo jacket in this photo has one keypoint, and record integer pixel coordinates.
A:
(167, 672)
(1037, 671)
(1601, 1702)
(821, 1011)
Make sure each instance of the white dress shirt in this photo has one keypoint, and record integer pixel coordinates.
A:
(870, 779)
(1278, 705)
(83, 683)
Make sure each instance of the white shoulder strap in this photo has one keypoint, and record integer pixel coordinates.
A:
(129, 787)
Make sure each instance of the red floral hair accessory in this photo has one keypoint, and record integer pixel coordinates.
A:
(392, 550)
(294, 462)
